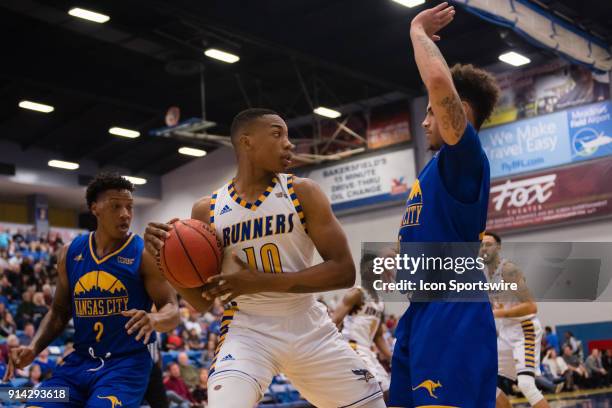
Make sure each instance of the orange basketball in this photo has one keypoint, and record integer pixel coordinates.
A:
(191, 254)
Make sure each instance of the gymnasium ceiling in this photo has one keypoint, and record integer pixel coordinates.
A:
(128, 71)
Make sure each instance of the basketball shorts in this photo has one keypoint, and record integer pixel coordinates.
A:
(305, 346)
(119, 382)
(445, 356)
(373, 365)
(519, 344)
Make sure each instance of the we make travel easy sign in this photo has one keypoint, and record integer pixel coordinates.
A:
(552, 140)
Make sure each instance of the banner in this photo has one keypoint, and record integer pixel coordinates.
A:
(389, 125)
(369, 181)
(545, 89)
(558, 195)
(550, 140)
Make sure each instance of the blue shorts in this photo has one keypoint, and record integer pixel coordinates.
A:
(445, 356)
(120, 382)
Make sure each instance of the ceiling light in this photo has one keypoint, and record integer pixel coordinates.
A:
(135, 180)
(221, 55)
(190, 151)
(66, 165)
(328, 113)
(410, 3)
(39, 107)
(514, 58)
(117, 131)
(88, 15)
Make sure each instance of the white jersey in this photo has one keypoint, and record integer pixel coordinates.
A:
(361, 325)
(269, 234)
(507, 298)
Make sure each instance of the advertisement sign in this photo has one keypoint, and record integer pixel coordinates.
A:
(558, 195)
(388, 125)
(369, 181)
(552, 140)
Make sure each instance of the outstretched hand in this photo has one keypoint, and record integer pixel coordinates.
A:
(434, 19)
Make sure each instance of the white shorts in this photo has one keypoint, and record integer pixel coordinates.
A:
(305, 346)
(373, 365)
(518, 347)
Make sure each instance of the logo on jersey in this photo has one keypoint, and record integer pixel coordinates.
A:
(99, 294)
(78, 258)
(280, 194)
(258, 228)
(115, 402)
(363, 374)
(125, 261)
(414, 205)
(430, 386)
(225, 209)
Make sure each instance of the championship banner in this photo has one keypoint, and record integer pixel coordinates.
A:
(370, 181)
(577, 134)
(559, 195)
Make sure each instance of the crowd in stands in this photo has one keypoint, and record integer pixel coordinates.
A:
(27, 274)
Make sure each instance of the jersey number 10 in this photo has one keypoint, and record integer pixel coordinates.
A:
(270, 258)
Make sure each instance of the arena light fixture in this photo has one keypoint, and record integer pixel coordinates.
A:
(60, 164)
(410, 3)
(190, 151)
(139, 181)
(514, 59)
(117, 131)
(328, 113)
(221, 55)
(88, 15)
(35, 106)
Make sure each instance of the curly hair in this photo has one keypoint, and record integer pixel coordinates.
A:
(103, 182)
(478, 88)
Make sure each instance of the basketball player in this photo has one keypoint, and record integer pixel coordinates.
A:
(107, 284)
(270, 223)
(445, 354)
(519, 330)
(360, 315)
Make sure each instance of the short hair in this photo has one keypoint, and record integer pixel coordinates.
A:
(103, 182)
(245, 117)
(494, 235)
(548, 329)
(478, 88)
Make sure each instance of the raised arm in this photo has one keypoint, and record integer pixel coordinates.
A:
(445, 102)
(352, 298)
(511, 273)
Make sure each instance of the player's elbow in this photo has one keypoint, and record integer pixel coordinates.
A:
(532, 308)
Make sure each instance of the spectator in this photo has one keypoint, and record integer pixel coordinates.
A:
(7, 289)
(4, 240)
(28, 334)
(177, 391)
(552, 339)
(16, 260)
(174, 342)
(558, 370)
(46, 366)
(40, 308)
(25, 311)
(192, 322)
(579, 371)
(606, 362)
(193, 341)
(7, 323)
(598, 374)
(35, 376)
(189, 373)
(574, 344)
(200, 392)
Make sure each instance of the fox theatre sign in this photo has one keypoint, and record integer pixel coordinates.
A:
(553, 196)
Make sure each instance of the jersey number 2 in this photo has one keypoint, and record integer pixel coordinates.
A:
(99, 328)
(270, 258)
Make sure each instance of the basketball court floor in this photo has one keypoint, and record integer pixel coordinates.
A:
(601, 398)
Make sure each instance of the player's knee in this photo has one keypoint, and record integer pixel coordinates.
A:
(527, 385)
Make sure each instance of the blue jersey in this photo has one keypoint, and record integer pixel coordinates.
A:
(100, 290)
(434, 215)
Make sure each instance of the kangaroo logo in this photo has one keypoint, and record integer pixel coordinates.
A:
(113, 400)
(430, 386)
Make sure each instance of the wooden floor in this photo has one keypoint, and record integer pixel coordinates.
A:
(599, 398)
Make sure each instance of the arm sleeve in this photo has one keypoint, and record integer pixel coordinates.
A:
(461, 166)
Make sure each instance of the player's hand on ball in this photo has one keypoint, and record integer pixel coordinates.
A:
(155, 235)
(434, 19)
(140, 322)
(19, 357)
(231, 285)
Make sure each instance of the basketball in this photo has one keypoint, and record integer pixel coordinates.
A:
(191, 254)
